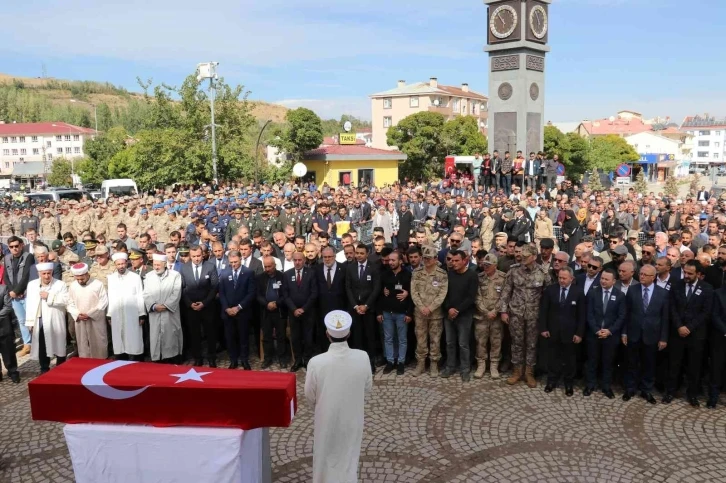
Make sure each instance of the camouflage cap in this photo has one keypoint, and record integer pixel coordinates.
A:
(490, 259)
(529, 250)
(428, 251)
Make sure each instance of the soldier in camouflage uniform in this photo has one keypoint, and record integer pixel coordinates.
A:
(429, 284)
(66, 257)
(519, 306)
(65, 219)
(306, 221)
(100, 224)
(487, 324)
(102, 267)
(6, 223)
(82, 221)
(132, 220)
(49, 226)
(112, 221)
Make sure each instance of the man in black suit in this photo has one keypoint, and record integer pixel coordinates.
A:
(273, 311)
(362, 286)
(219, 259)
(605, 320)
(691, 303)
(330, 277)
(717, 346)
(236, 296)
(199, 291)
(248, 260)
(591, 278)
(562, 319)
(645, 333)
(300, 292)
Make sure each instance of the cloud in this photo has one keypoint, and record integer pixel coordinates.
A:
(332, 108)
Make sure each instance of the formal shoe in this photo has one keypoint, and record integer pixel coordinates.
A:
(550, 387)
(373, 369)
(711, 404)
(693, 401)
(24, 351)
(389, 368)
(648, 397)
(233, 365)
(447, 372)
(296, 367)
(15, 377)
(267, 364)
(667, 399)
(212, 363)
(380, 361)
(198, 362)
(569, 391)
(466, 376)
(400, 368)
(587, 391)
(609, 393)
(44, 370)
(628, 396)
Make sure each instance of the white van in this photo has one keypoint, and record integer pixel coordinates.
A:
(118, 187)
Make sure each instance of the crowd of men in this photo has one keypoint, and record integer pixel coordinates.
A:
(556, 280)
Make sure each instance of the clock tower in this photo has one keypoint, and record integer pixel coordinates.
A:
(517, 37)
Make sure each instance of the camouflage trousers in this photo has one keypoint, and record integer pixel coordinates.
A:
(524, 340)
(428, 328)
(488, 331)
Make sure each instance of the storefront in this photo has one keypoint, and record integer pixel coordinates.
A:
(346, 165)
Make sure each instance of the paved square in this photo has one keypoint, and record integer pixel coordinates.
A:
(436, 430)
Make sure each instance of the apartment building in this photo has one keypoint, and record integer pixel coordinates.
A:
(40, 142)
(709, 138)
(389, 107)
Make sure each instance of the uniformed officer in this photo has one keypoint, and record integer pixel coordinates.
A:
(519, 307)
(29, 221)
(487, 323)
(49, 226)
(103, 267)
(214, 228)
(65, 256)
(429, 285)
(233, 225)
(265, 223)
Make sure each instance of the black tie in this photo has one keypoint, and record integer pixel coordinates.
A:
(605, 301)
(361, 270)
(235, 277)
(689, 291)
(563, 296)
(330, 281)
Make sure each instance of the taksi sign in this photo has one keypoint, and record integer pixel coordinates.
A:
(347, 138)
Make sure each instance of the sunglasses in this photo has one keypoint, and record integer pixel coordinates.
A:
(647, 253)
(612, 242)
(453, 240)
(14, 246)
(594, 267)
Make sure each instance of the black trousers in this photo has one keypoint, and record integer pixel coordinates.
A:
(561, 361)
(678, 347)
(717, 348)
(600, 352)
(197, 321)
(301, 333)
(7, 348)
(272, 321)
(43, 358)
(237, 332)
(640, 373)
(364, 332)
(127, 357)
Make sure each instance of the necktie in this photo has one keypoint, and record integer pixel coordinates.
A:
(689, 291)
(361, 269)
(196, 273)
(235, 277)
(219, 264)
(605, 301)
(646, 299)
(329, 279)
(298, 278)
(563, 296)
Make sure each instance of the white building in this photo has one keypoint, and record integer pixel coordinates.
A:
(40, 142)
(709, 139)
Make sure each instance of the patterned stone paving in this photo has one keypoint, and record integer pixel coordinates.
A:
(436, 430)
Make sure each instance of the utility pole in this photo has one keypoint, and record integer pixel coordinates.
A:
(208, 70)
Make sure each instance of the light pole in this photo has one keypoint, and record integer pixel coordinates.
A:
(95, 111)
(208, 70)
(257, 147)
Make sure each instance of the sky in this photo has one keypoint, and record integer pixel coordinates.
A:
(657, 57)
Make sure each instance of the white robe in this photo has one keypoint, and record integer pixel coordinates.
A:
(125, 306)
(335, 386)
(91, 335)
(53, 312)
(165, 332)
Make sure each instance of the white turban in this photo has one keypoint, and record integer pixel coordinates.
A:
(159, 257)
(119, 256)
(41, 267)
(79, 269)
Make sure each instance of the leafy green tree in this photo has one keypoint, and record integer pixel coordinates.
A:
(419, 137)
(594, 181)
(695, 184)
(60, 173)
(303, 131)
(100, 150)
(331, 127)
(609, 151)
(578, 160)
(555, 142)
(461, 136)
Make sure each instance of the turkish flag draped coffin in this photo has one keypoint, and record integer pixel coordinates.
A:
(103, 391)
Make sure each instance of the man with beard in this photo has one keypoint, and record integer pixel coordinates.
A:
(162, 293)
(46, 311)
(126, 311)
(87, 302)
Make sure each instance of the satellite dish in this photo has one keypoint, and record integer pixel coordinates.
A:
(437, 102)
(299, 170)
(347, 126)
(612, 118)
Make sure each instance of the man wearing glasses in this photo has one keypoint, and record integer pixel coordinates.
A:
(591, 279)
(17, 273)
(454, 244)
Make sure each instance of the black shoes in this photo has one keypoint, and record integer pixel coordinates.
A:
(246, 366)
(380, 361)
(267, 364)
(668, 398)
(296, 367)
(15, 377)
(233, 365)
(400, 369)
(648, 397)
(628, 395)
(550, 387)
(693, 401)
(447, 372)
(389, 368)
(465, 376)
(711, 404)
(609, 393)
(588, 391)
(569, 391)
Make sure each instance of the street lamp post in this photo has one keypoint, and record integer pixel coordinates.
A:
(208, 70)
(257, 147)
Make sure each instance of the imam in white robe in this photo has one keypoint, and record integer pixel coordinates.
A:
(165, 331)
(91, 335)
(335, 386)
(125, 307)
(53, 313)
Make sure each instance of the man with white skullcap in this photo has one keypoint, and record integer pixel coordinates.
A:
(126, 311)
(336, 385)
(45, 316)
(87, 302)
(162, 293)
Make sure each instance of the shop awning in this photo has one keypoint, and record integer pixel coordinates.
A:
(29, 169)
(667, 164)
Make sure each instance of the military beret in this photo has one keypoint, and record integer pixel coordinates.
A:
(143, 211)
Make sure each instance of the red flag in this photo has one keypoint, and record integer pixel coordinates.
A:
(102, 391)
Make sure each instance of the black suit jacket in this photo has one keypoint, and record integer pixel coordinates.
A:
(303, 297)
(614, 317)
(694, 312)
(563, 321)
(580, 281)
(333, 298)
(676, 274)
(256, 265)
(262, 281)
(242, 294)
(651, 325)
(204, 290)
(718, 316)
(365, 290)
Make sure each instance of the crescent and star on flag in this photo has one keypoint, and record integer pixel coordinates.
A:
(93, 380)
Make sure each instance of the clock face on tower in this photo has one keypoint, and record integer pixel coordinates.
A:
(503, 21)
(538, 21)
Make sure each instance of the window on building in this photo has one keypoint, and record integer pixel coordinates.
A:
(702, 154)
(22, 159)
(22, 139)
(23, 152)
(387, 121)
(483, 106)
(7, 165)
(704, 133)
(49, 156)
(717, 133)
(15, 152)
(36, 151)
(704, 143)
(47, 144)
(59, 138)
(76, 137)
(365, 177)
(68, 137)
(413, 101)
(77, 150)
(473, 108)
(5, 140)
(456, 105)
(6, 152)
(716, 145)
(68, 150)
(387, 103)
(59, 150)
(715, 155)
(34, 139)
(13, 139)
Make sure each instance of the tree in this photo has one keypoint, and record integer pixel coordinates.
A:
(607, 152)
(303, 132)
(60, 173)
(695, 183)
(556, 142)
(331, 127)
(578, 160)
(594, 181)
(419, 137)
(461, 136)
(671, 187)
(641, 186)
(100, 150)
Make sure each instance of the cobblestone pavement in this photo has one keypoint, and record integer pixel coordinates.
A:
(436, 430)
